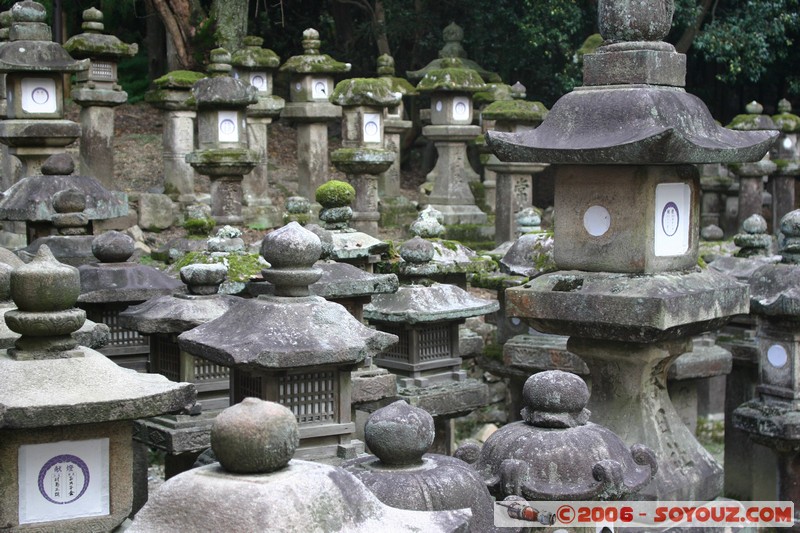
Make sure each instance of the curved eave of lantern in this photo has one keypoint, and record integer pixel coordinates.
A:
(415, 304)
(314, 64)
(31, 199)
(38, 56)
(362, 160)
(487, 76)
(376, 92)
(123, 282)
(774, 291)
(255, 57)
(100, 46)
(271, 332)
(175, 313)
(634, 125)
(451, 79)
(83, 390)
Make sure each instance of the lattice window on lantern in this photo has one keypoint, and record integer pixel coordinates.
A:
(166, 356)
(120, 337)
(434, 343)
(400, 350)
(102, 70)
(246, 385)
(311, 396)
(207, 371)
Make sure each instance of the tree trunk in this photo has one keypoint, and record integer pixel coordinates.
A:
(379, 28)
(686, 40)
(155, 44)
(343, 22)
(231, 23)
(177, 20)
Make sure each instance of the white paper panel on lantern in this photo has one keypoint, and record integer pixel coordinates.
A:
(673, 201)
(372, 128)
(259, 81)
(319, 89)
(461, 108)
(228, 126)
(39, 95)
(62, 480)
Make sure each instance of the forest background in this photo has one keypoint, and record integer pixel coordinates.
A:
(737, 50)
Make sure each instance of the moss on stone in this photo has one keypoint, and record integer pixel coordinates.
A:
(178, 78)
(255, 57)
(335, 193)
(365, 91)
(787, 122)
(451, 78)
(400, 85)
(515, 110)
(314, 64)
(241, 266)
(199, 226)
(97, 45)
(493, 352)
(589, 46)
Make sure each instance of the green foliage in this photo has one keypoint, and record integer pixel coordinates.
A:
(133, 76)
(749, 37)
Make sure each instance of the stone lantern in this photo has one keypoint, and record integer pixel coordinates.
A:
(97, 92)
(514, 179)
(66, 412)
(453, 36)
(628, 292)
(451, 128)
(34, 67)
(772, 419)
(310, 88)
(752, 175)
(292, 348)
(222, 152)
(362, 156)
(256, 65)
(172, 94)
(786, 156)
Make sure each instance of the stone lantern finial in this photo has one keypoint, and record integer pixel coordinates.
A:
(292, 251)
(92, 21)
(311, 42)
(112, 247)
(790, 244)
(453, 35)
(385, 65)
(399, 434)
(220, 63)
(635, 21)
(204, 279)
(753, 239)
(555, 400)
(784, 106)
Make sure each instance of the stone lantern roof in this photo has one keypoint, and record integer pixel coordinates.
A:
(753, 119)
(220, 90)
(290, 329)
(312, 62)
(452, 76)
(253, 56)
(376, 92)
(31, 198)
(632, 108)
(414, 304)
(258, 483)
(30, 47)
(93, 43)
(536, 458)
(515, 111)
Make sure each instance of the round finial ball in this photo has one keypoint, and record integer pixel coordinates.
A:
(417, 250)
(204, 274)
(310, 33)
(399, 434)
(28, 11)
(291, 246)
(754, 108)
(335, 193)
(254, 437)
(790, 224)
(44, 284)
(69, 201)
(754, 225)
(112, 247)
(93, 15)
(58, 165)
(555, 391)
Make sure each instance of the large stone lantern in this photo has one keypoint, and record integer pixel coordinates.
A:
(786, 156)
(35, 66)
(222, 152)
(97, 92)
(629, 293)
(256, 65)
(451, 128)
(310, 87)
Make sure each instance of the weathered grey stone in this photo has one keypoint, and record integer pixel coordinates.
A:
(417, 250)
(712, 232)
(156, 212)
(113, 247)
(414, 304)
(428, 224)
(44, 284)
(530, 255)
(204, 279)
(176, 313)
(399, 434)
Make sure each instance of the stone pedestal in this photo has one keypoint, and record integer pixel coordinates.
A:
(178, 142)
(751, 187)
(452, 174)
(312, 144)
(258, 208)
(515, 190)
(389, 181)
(97, 144)
(782, 189)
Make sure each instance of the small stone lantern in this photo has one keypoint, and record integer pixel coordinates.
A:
(310, 88)
(222, 152)
(35, 66)
(451, 128)
(256, 65)
(97, 92)
(362, 156)
(66, 412)
(292, 348)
